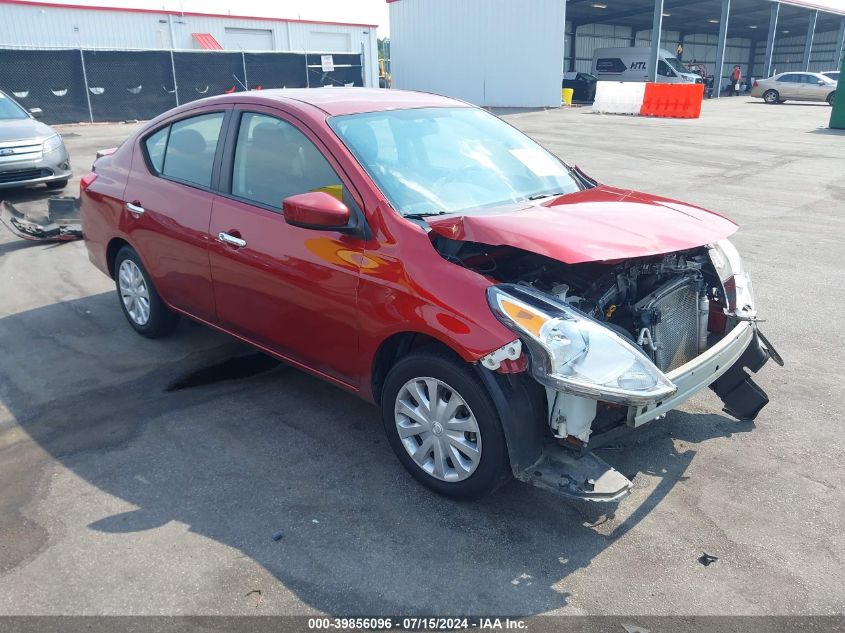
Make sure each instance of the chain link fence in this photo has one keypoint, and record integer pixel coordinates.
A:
(74, 85)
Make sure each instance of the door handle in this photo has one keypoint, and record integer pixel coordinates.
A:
(231, 239)
(135, 209)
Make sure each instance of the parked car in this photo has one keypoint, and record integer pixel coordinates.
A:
(31, 153)
(505, 311)
(797, 86)
(583, 85)
(832, 74)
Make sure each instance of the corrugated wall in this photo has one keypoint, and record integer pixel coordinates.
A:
(60, 27)
(789, 53)
(701, 47)
(488, 52)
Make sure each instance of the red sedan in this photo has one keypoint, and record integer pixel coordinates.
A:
(505, 311)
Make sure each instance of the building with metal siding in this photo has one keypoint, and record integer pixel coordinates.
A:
(474, 49)
(47, 25)
(468, 48)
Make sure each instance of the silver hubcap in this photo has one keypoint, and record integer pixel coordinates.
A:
(134, 292)
(438, 429)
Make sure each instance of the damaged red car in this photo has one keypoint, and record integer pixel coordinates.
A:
(506, 312)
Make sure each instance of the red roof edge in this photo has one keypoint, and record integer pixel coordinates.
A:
(63, 5)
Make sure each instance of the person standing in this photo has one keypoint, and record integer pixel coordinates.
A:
(736, 77)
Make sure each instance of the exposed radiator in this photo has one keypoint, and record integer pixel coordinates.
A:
(676, 335)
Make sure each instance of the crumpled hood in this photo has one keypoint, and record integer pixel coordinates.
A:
(23, 129)
(597, 224)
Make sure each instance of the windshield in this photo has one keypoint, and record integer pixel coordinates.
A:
(10, 110)
(677, 66)
(445, 160)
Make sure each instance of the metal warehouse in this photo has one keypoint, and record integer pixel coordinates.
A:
(504, 53)
(47, 25)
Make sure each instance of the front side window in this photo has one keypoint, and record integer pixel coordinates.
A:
(664, 70)
(676, 65)
(274, 160)
(444, 160)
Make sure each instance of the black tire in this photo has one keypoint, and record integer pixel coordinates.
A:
(161, 320)
(493, 469)
(830, 98)
(57, 184)
(771, 96)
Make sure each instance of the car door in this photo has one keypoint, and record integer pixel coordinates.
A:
(167, 208)
(788, 86)
(811, 90)
(289, 289)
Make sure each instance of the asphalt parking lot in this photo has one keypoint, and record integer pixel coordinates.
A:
(118, 496)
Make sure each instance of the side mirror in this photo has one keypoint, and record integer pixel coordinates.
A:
(821, 82)
(36, 113)
(315, 210)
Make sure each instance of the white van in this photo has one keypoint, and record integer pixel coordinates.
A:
(631, 64)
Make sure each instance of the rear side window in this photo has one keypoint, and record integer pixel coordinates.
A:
(790, 79)
(185, 150)
(274, 160)
(156, 144)
(610, 65)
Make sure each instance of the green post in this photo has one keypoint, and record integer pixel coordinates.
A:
(837, 117)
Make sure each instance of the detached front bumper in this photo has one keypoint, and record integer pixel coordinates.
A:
(741, 348)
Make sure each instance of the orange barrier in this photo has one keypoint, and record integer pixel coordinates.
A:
(682, 101)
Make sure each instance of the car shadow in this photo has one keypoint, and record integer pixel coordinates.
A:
(792, 104)
(284, 453)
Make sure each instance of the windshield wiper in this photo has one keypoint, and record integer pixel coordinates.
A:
(420, 216)
(540, 196)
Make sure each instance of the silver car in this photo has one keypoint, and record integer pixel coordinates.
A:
(797, 86)
(831, 74)
(31, 153)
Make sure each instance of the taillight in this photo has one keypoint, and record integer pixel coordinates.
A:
(754, 85)
(86, 181)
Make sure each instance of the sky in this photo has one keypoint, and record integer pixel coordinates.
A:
(360, 11)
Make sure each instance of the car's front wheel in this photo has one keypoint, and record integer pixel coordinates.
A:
(771, 96)
(141, 304)
(443, 426)
(830, 98)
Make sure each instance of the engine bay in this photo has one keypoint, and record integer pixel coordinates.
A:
(671, 305)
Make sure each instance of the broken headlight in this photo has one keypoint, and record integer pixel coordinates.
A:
(735, 280)
(574, 353)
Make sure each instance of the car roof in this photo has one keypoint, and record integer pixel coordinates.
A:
(349, 100)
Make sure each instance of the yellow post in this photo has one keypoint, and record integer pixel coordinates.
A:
(566, 94)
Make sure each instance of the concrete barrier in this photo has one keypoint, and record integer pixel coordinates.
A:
(649, 99)
(619, 97)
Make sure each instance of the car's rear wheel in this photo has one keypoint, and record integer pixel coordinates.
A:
(771, 96)
(830, 98)
(141, 304)
(443, 426)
